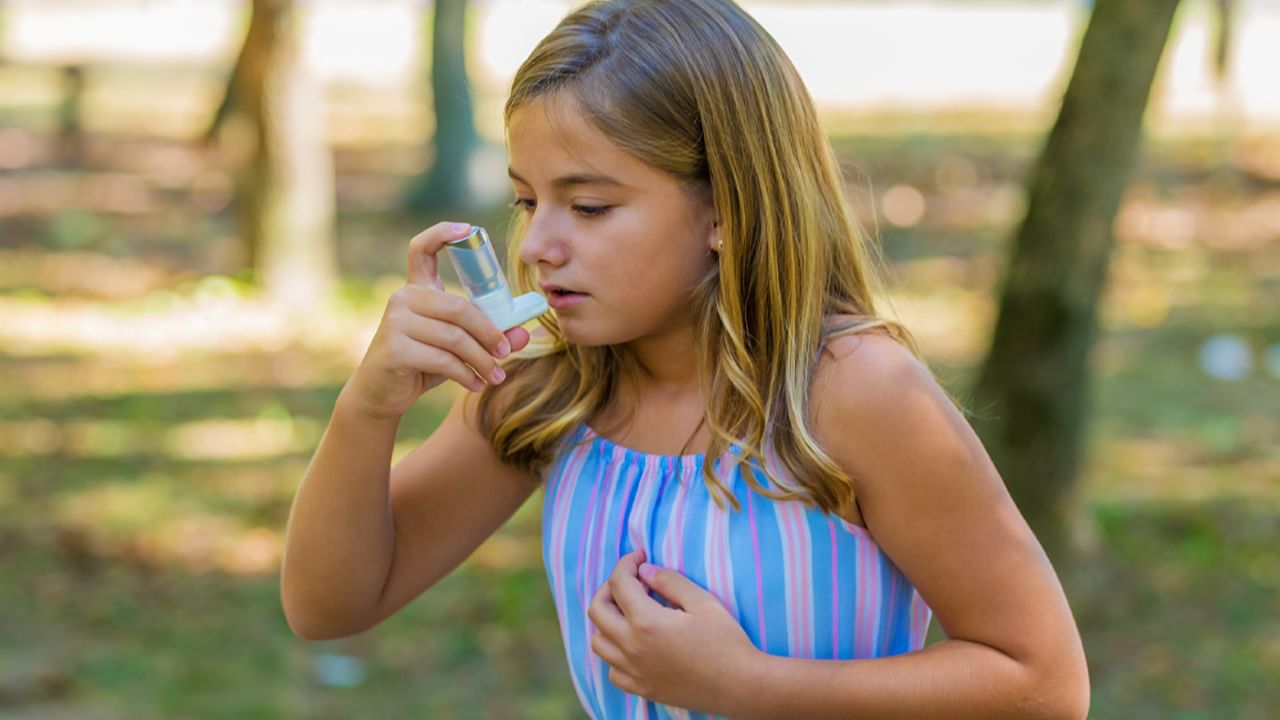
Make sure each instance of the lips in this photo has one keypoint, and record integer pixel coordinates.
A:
(562, 298)
(559, 290)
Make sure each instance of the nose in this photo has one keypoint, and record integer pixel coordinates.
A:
(543, 243)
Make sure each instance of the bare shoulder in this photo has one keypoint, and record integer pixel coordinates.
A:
(869, 354)
(935, 504)
(866, 383)
(883, 409)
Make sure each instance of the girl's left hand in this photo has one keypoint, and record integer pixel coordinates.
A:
(692, 656)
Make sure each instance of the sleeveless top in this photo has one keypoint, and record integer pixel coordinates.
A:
(801, 583)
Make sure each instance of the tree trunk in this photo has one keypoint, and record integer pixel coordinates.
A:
(70, 146)
(284, 177)
(1031, 392)
(447, 184)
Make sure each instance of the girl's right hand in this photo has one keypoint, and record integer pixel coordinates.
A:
(427, 336)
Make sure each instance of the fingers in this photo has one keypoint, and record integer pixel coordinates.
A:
(452, 323)
(423, 268)
(463, 349)
(457, 310)
(630, 595)
(519, 338)
(611, 632)
(631, 561)
(438, 361)
(605, 615)
(607, 650)
(671, 586)
(623, 681)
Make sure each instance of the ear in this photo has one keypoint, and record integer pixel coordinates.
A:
(714, 240)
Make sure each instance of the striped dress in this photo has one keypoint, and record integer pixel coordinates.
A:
(800, 583)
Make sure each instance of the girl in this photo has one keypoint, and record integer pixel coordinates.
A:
(756, 494)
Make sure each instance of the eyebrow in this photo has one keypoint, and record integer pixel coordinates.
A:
(571, 180)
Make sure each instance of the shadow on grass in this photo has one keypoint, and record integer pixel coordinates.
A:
(115, 638)
(1180, 621)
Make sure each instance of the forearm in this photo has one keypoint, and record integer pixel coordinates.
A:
(340, 536)
(954, 679)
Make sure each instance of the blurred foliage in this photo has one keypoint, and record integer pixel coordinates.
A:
(155, 420)
(143, 490)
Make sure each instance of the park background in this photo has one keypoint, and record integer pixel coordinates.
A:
(159, 404)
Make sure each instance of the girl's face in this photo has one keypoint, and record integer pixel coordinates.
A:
(603, 223)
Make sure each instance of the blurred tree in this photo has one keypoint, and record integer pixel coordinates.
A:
(271, 123)
(1031, 391)
(70, 112)
(447, 184)
(1223, 38)
(1225, 176)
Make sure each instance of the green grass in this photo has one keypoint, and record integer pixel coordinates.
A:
(135, 584)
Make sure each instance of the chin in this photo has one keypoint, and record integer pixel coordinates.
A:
(584, 339)
(587, 336)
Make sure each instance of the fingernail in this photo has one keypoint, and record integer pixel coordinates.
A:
(461, 227)
(504, 349)
(647, 571)
(498, 375)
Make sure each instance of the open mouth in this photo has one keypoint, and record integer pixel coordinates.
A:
(561, 299)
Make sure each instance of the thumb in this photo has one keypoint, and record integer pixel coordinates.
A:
(677, 588)
(519, 338)
(423, 248)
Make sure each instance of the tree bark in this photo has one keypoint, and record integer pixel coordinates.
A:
(71, 116)
(447, 184)
(1031, 393)
(273, 124)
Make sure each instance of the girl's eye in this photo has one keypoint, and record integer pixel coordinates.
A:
(586, 211)
(591, 210)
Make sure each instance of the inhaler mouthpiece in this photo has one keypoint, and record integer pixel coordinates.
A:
(477, 267)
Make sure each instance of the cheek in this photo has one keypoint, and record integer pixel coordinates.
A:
(659, 277)
(654, 262)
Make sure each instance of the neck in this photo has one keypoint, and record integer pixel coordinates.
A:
(663, 371)
(665, 364)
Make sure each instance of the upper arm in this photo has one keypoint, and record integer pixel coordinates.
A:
(936, 505)
(447, 496)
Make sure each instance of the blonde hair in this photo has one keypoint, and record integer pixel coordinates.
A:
(699, 90)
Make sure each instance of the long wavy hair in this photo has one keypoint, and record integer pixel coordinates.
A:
(698, 89)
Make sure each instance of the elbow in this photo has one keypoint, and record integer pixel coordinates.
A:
(1077, 691)
(1057, 702)
(1071, 707)
(307, 627)
(1061, 695)
(316, 633)
(1066, 706)
(309, 623)
(1075, 706)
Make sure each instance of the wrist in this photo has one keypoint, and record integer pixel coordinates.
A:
(350, 404)
(752, 672)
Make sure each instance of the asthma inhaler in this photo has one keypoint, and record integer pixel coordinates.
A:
(477, 266)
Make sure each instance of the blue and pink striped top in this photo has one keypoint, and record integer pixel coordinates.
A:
(800, 582)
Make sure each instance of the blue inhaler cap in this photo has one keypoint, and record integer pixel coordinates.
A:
(477, 266)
